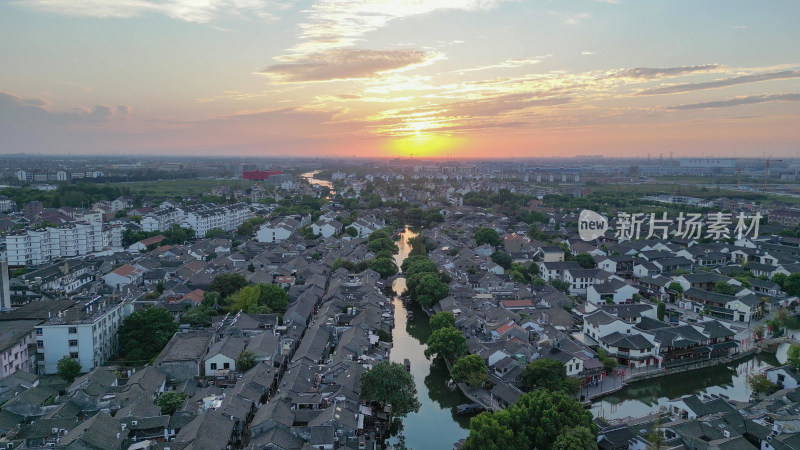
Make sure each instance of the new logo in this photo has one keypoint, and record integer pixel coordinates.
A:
(591, 225)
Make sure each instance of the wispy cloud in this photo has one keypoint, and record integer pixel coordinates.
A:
(37, 112)
(748, 100)
(336, 23)
(688, 87)
(662, 72)
(586, 53)
(510, 63)
(201, 11)
(344, 64)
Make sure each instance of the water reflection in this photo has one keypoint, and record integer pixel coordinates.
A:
(645, 397)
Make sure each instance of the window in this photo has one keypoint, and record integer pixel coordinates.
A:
(38, 331)
(73, 330)
(39, 344)
(73, 355)
(226, 365)
(73, 342)
(213, 366)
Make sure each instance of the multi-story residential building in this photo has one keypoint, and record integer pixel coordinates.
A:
(204, 217)
(6, 204)
(33, 247)
(15, 338)
(161, 219)
(86, 332)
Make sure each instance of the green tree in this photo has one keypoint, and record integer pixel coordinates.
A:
(68, 368)
(170, 402)
(661, 310)
(383, 244)
(533, 269)
(576, 438)
(724, 288)
(470, 369)
(549, 374)
(779, 279)
(502, 259)
(486, 235)
(216, 233)
(143, 334)
(384, 266)
(537, 420)
(351, 231)
(562, 286)
(791, 284)
(429, 289)
(227, 284)
(246, 300)
(609, 363)
(675, 286)
(389, 383)
(585, 260)
(196, 317)
(655, 436)
(442, 319)
(760, 384)
(449, 343)
(418, 264)
(245, 361)
(793, 355)
(273, 297)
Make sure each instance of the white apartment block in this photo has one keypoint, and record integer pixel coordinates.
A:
(86, 332)
(6, 204)
(204, 217)
(161, 219)
(33, 247)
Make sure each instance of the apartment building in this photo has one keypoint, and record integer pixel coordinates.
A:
(204, 217)
(86, 235)
(86, 332)
(162, 219)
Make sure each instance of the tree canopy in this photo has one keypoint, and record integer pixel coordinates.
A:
(384, 266)
(245, 361)
(68, 369)
(502, 259)
(486, 235)
(538, 419)
(389, 383)
(442, 319)
(447, 342)
(143, 334)
(170, 402)
(228, 284)
(549, 374)
(470, 369)
(429, 289)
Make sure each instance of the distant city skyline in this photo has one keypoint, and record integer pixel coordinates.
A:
(406, 78)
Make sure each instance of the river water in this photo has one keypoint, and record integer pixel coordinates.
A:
(435, 426)
(309, 176)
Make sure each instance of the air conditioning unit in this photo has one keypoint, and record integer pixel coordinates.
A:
(134, 422)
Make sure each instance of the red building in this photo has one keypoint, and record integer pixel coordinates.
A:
(258, 174)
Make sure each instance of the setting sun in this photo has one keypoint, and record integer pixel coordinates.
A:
(422, 144)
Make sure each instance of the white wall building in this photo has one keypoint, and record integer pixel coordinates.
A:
(86, 332)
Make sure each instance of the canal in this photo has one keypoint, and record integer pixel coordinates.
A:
(309, 176)
(436, 425)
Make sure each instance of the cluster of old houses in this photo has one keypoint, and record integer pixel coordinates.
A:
(304, 390)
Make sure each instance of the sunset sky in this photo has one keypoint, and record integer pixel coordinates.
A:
(440, 78)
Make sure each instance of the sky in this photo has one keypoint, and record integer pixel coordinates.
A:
(401, 78)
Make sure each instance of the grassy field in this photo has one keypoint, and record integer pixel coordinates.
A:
(179, 188)
(690, 190)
